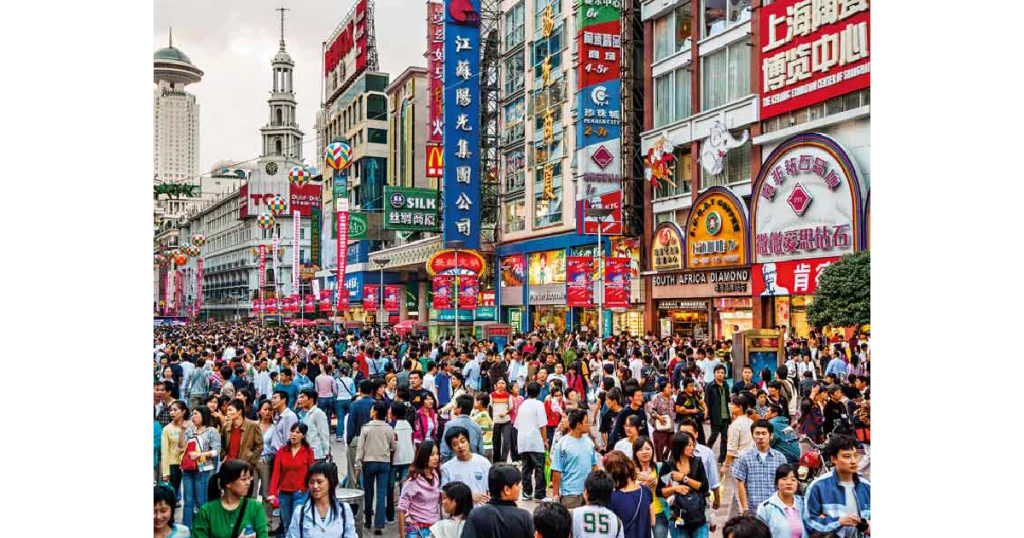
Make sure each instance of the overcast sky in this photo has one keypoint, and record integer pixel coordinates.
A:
(232, 41)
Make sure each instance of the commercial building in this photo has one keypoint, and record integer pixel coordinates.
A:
(175, 125)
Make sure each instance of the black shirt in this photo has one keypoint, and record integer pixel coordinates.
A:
(498, 519)
(741, 386)
(619, 431)
(650, 374)
(416, 397)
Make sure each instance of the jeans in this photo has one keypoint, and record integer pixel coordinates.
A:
(416, 533)
(661, 525)
(341, 408)
(533, 471)
(327, 406)
(681, 532)
(263, 469)
(289, 502)
(722, 428)
(375, 483)
(397, 474)
(195, 494)
(501, 435)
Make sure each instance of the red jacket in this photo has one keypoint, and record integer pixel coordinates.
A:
(290, 471)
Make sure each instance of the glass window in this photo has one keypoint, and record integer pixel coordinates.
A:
(376, 107)
(547, 211)
(726, 76)
(515, 26)
(515, 170)
(722, 14)
(515, 216)
(736, 168)
(682, 94)
(683, 25)
(538, 13)
(377, 136)
(514, 74)
(663, 100)
(739, 70)
(715, 80)
(663, 37)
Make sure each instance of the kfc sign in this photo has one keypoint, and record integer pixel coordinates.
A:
(806, 202)
(347, 48)
(812, 51)
(789, 278)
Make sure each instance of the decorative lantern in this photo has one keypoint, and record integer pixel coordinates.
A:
(159, 258)
(338, 155)
(180, 260)
(277, 204)
(298, 176)
(265, 220)
(198, 240)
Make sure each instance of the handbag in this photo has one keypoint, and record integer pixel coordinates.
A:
(662, 423)
(690, 508)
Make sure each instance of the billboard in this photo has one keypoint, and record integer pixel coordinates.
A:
(547, 267)
(610, 225)
(717, 233)
(435, 70)
(598, 100)
(788, 278)
(579, 289)
(617, 286)
(303, 198)
(513, 270)
(809, 55)
(345, 54)
(462, 122)
(410, 209)
(435, 160)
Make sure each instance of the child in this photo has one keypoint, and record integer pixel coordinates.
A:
(596, 520)
(456, 503)
(482, 417)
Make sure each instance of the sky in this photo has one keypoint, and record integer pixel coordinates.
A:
(232, 41)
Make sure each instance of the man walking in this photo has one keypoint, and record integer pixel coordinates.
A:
(359, 415)
(466, 467)
(500, 517)
(463, 407)
(531, 423)
(241, 438)
(717, 397)
(572, 460)
(754, 471)
(319, 434)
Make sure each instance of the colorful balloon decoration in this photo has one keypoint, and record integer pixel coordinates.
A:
(159, 258)
(299, 176)
(198, 240)
(191, 251)
(169, 253)
(338, 155)
(277, 204)
(180, 260)
(265, 220)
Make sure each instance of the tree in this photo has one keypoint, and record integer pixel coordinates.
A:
(843, 296)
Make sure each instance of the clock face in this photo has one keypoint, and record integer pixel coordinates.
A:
(271, 168)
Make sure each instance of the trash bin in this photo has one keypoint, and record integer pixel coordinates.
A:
(354, 498)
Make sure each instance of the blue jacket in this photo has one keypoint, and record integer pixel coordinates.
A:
(784, 440)
(443, 383)
(358, 416)
(476, 444)
(826, 502)
(771, 511)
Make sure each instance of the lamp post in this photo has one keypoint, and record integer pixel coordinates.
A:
(600, 213)
(381, 262)
(456, 245)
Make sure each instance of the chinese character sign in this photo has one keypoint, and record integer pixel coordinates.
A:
(462, 120)
(579, 286)
(716, 231)
(435, 70)
(443, 285)
(616, 287)
(410, 209)
(598, 100)
(806, 202)
(788, 278)
(325, 300)
(812, 51)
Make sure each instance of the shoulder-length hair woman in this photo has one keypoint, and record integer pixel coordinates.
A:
(684, 479)
(632, 502)
(163, 514)
(421, 492)
(322, 515)
(457, 502)
(233, 512)
(201, 450)
(775, 510)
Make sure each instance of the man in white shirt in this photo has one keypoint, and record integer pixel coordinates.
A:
(531, 423)
(635, 365)
(229, 353)
(262, 379)
(466, 467)
(740, 439)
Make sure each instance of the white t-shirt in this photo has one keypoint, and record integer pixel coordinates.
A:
(592, 521)
(428, 384)
(406, 451)
(624, 446)
(635, 366)
(530, 418)
(473, 473)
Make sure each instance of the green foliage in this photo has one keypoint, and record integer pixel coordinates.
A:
(843, 296)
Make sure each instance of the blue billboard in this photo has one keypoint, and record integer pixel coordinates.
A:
(599, 111)
(462, 122)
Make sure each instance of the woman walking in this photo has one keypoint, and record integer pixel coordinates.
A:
(783, 512)
(426, 421)
(647, 473)
(291, 463)
(684, 479)
(201, 449)
(265, 467)
(233, 514)
(322, 515)
(171, 448)
(632, 502)
(457, 501)
(421, 493)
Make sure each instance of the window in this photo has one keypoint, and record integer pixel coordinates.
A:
(377, 136)
(682, 94)
(515, 216)
(719, 15)
(302, 233)
(376, 107)
(726, 75)
(663, 100)
(663, 37)
(515, 171)
(514, 74)
(681, 173)
(538, 14)
(684, 23)
(515, 26)
(736, 169)
(547, 212)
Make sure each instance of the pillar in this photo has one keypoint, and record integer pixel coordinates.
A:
(403, 309)
(421, 300)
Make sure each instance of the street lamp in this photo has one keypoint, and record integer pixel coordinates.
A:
(600, 213)
(381, 262)
(455, 245)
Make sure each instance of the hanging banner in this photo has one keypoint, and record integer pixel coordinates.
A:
(257, 306)
(314, 237)
(443, 292)
(616, 286)
(168, 284)
(295, 252)
(469, 288)
(580, 284)
(371, 296)
(270, 306)
(263, 271)
(392, 297)
(316, 287)
(199, 284)
(287, 304)
(309, 305)
(325, 300)
(341, 210)
(277, 264)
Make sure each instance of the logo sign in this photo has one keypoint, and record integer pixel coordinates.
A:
(462, 122)
(547, 294)
(303, 199)
(610, 225)
(410, 209)
(435, 160)
(435, 70)
(703, 283)
(810, 55)
(347, 52)
(788, 278)
(806, 202)
(716, 146)
(667, 247)
(357, 226)
(486, 298)
(468, 261)
(716, 230)
(598, 99)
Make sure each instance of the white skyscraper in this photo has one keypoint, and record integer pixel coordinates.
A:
(175, 123)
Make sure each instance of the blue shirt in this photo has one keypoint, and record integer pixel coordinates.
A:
(472, 374)
(444, 389)
(476, 444)
(358, 416)
(293, 392)
(574, 458)
(757, 474)
(836, 366)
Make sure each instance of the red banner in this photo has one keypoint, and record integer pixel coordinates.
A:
(392, 297)
(341, 178)
(435, 70)
(309, 305)
(325, 300)
(799, 277)
(289, 304)
(270, 306)
(469, 287)
(263, 270)
(579, 283)
(616, 287)
(371, 297)
(199, 285)
(257, 305)
(303, 199)
(443, 292)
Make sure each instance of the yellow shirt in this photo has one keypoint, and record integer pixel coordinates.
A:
(170, 454)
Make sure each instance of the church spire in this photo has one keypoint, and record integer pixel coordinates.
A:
(282, 10)
(170, 37)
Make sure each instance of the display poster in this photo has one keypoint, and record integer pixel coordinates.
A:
(547, 267)
(580, 271)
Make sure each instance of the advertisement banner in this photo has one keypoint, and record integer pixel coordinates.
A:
(667, 247)
(435, 160)
(788, 278)
(513, 270)
(716, 231)
(616, 272)
(371, 297)
(547, 267)
(341, 227)
(410, 209)
(393, 294)
(296, 225)
(199, 284)
(610, 225)
(325, 300)
(304, 198)
(628, 247)
(469, 289)
(809, 55)
(435, 70)
(270, 306)
(443, 285)
(346, 52)
(263, 270)
(357, 227)
(598, 98)
(462, 122)
(257, 306)
(486, 299)
(444, 262)
(309, 306)
(579, 289)
(315, 222)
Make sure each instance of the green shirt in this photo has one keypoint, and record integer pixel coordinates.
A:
(213, 521)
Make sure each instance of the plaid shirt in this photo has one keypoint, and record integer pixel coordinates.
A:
(757, 476)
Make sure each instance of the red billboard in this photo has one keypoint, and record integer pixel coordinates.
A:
(809, 56)
(347, 47)
(325, 300)
(435, 70)
(303, 198)
(610, 225)
(798, 277)
(616, 284)
(392, 296)
(443, 292)
(371, 296)
(469, 288)
(579, 285)
(243, 197)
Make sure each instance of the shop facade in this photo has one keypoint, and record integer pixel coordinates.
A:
(701, 278)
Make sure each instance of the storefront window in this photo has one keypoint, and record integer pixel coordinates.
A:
(514, 74)
(726, 75)
(549, 317)
(687, 323)
(719, 15)
(798, 314)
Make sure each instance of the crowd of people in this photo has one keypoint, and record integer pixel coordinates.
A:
(613, 438)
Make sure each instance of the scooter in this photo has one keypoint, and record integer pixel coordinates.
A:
(810, 464)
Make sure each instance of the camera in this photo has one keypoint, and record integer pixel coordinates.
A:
(862, 525)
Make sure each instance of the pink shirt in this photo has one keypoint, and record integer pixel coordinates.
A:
(324, 386)
(420, 500)
(796, 527)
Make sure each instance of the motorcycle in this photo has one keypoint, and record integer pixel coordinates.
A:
(810, 465)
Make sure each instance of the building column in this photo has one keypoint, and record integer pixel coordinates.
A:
(421, 301)
(403, 310)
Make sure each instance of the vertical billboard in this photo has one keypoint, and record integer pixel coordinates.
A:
(616, 288)
(598, 99)
(462, 122)
(435, 70)
(579, 288)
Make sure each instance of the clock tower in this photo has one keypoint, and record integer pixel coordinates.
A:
(282, 139)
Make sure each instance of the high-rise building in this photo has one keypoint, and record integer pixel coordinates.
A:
(175, 124)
